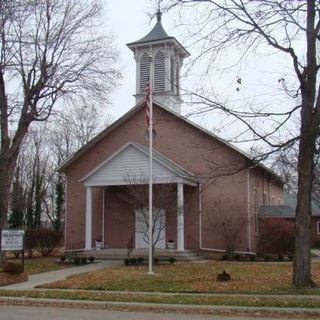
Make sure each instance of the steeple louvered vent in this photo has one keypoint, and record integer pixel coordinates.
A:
(159, 72)
(172, 75)
(144, 71)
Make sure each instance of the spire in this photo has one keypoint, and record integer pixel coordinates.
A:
(159, 14)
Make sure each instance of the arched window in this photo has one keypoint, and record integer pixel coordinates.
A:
(159, 72)
(172, 75)
(144, 71)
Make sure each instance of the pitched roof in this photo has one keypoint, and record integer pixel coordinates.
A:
(288, 209)
(175, 171)
(291, 200)
(158, 34)
(66, 163)
(283, 211)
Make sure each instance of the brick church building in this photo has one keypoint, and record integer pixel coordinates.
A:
(209, 179)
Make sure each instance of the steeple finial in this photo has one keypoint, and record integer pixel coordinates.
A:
(159, 14)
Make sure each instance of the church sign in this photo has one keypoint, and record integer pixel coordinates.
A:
(12, 240)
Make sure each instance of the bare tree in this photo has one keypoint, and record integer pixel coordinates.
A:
(50, 49)
(136, 193)
(73, 128)
(290, 29)
(227, 224)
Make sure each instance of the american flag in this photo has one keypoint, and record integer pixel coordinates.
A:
(147, 104)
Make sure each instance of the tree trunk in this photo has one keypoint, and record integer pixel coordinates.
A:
(307, 148)
(4, 160)
(4, 198)
(302, 257)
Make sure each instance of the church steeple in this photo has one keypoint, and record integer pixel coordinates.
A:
(167, 56)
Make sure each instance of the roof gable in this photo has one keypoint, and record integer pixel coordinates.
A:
(131, 164)
(65, 164)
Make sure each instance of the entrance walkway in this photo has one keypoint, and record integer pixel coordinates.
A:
(52, 276)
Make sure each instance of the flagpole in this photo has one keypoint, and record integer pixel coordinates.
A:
(150, 272)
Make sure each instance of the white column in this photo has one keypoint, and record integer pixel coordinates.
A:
(88, 218)
(180, 218)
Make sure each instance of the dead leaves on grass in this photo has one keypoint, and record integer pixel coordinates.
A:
(190, 277)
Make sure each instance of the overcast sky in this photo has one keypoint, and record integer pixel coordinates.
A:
(129, 21)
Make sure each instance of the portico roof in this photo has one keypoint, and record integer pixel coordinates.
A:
(130, 164)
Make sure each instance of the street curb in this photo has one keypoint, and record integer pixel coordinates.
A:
(172, 308)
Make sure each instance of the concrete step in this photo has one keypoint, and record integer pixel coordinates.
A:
(120, 254)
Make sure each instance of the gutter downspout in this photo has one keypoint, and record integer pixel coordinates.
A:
(103, 214)
(65, 214)
(200, 216)
(248, 204)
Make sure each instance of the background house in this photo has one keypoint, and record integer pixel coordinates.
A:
(277, 223)
(211, 182)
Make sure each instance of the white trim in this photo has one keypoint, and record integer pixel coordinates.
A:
(103, 214)
(152, 43)
(88, 219)
(124, 183)
(180, 217)
(65, 213)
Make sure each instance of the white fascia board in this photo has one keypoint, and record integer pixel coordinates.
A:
(155, 181)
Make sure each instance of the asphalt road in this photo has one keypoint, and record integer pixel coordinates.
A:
(41, 313)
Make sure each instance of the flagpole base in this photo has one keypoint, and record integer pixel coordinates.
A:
(150, 273)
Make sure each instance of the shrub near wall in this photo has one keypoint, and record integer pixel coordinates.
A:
(44, 241)
(276, 236)
(30, 242)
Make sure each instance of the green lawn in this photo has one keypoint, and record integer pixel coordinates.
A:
(225, 300)
(187, 280)
(247, 277)
(42, 264)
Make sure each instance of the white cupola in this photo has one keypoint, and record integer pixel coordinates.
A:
(167, 57)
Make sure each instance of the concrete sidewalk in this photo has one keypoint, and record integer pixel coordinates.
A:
(52, 276)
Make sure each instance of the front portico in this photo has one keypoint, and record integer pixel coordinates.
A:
(129, 165)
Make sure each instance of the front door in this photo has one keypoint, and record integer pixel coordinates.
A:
(141, 234)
